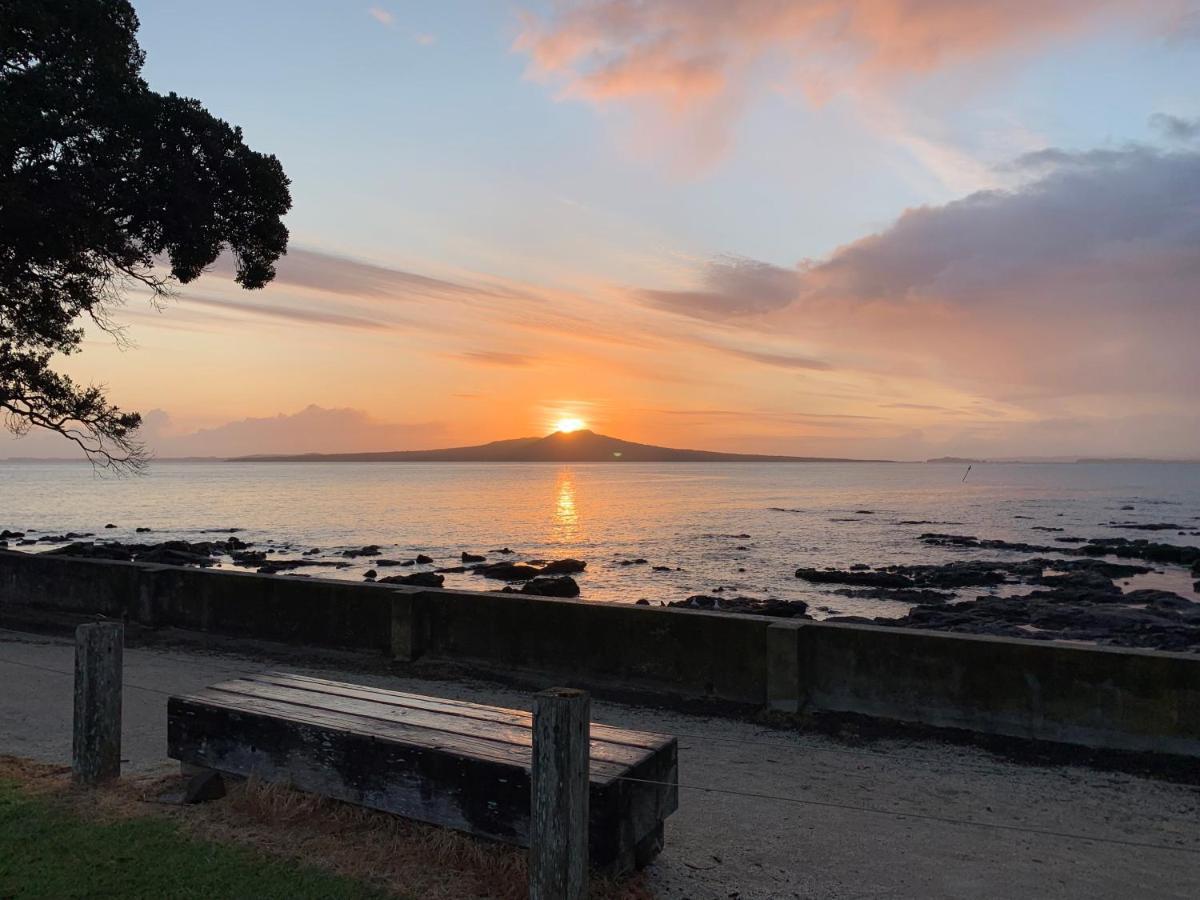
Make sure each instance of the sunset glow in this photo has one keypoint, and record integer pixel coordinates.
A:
(887, 230)
(569, 424)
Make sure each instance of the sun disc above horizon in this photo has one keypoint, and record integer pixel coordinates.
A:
(568, 424)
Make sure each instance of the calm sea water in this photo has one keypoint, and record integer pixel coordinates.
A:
(713, 524)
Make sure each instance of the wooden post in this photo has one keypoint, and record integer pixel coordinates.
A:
(558, 832)
(96, 745)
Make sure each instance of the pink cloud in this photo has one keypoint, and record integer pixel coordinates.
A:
(615, 48)
(698, 61)
(381, 15)
(313, 429)
(1081, 283)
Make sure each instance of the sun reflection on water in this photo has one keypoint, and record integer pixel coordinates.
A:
(566, 516)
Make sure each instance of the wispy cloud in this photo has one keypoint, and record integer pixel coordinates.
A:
(331, 273)
(780, 360)
(696, 64)
(758, 414)
(1175, 128)
(291, 313)
(313, 429)
(731, 287)
(381, 15)
(495, 358)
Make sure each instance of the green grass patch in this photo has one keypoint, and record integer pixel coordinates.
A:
(48, 852)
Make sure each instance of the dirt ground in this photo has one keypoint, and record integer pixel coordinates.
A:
(764, 812)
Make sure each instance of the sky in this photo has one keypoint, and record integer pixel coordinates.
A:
(872, 228)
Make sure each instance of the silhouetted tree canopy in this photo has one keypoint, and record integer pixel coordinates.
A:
(107, 186)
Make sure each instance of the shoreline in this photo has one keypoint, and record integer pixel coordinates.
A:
(1102, 591)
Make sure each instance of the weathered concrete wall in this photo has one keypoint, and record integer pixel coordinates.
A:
(316, 612)
(669, 651)
(68, 585)
(1101, 697)
(1095, 696)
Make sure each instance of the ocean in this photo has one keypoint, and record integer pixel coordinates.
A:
(740, 527)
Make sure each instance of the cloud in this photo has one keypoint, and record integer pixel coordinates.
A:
(756, 414)
(1175, 128)
(313, 429)
(1184, 26)
(495, 358)
(731, 287)
(927, 407)
(381, 15)
(293, 314)
(695, 63)
(782, 360)
(319, 288)
(1074, 290)
(1085, 235)
(331, 273)
(425, 39)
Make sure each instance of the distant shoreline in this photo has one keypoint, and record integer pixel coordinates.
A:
(576, 446)
(325, 458)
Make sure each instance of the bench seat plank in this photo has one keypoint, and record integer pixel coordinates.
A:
(647, 739)
(461, 765)
(443, 721)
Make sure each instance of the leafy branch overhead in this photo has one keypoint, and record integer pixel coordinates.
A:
(107, 188)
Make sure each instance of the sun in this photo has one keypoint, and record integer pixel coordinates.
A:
(569, 423)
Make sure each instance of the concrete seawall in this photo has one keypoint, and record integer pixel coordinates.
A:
(1093, 696)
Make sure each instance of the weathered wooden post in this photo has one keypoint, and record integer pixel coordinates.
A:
(96, 744)
(558, 833)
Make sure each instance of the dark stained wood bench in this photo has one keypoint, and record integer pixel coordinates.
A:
(461, 765)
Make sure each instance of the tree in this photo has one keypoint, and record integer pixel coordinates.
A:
(107, 187)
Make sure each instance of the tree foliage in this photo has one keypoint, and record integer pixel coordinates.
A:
(107, 188)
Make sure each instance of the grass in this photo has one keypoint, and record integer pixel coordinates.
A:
(261, 841)
(48, 850)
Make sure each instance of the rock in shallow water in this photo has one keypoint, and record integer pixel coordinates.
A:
(783, 609)
(564, 567)
(369, 550)
(561, 586)
(1124, 548)
(503, 571)
(507, 571)
(867, 579)
(1149, 619)
(418, 579)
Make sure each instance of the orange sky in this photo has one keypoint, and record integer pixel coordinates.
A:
(895, 228)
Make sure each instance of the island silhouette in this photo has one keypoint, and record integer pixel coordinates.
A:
(581, 445)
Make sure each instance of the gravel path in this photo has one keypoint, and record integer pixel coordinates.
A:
(726, 845)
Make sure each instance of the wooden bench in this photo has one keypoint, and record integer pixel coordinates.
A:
(460, 765)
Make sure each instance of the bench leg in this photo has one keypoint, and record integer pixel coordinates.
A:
(649, 847)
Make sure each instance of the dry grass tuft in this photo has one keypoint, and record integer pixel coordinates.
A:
(35, 777)
(398, 855)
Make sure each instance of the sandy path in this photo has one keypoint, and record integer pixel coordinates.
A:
(723, 845)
